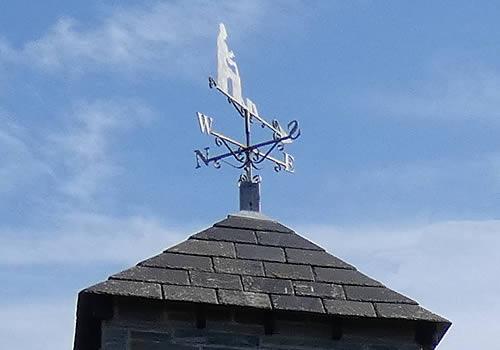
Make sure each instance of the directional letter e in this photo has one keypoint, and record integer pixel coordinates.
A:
(205, 123)
(289, 163)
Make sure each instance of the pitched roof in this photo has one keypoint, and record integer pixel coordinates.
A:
(260, 263)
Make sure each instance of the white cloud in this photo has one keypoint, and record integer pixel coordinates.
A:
(81, 238)
(85, 147)
(169, 37)
(77, 158)
(450, 267)
(19, 165)
(448, 92)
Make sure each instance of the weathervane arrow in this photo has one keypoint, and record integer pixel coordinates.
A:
(246, 155)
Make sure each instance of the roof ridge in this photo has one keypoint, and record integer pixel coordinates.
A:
(252, 215)
(253, 222)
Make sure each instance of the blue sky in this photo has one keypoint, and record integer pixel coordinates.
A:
(398, 165)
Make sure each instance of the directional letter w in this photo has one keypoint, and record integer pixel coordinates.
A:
(205, 123)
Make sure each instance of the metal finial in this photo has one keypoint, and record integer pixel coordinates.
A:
(246, 155)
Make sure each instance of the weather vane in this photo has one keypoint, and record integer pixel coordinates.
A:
(246, 155)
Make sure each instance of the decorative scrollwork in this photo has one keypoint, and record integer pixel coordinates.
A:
(232, 165)
(238, 108)
(254, 166)
(218, 141)
(277, 127)
(243, 178)
(293, 129)
(238, 154)
(255, 178)
(249, 156)
(255, 156)
(211, 83)
(264, 156)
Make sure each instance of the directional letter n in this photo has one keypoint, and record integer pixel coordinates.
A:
(203, 157)
(205, 123)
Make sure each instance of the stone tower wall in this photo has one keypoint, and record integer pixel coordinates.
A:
(143, 328)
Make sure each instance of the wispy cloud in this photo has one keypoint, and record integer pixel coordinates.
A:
(169, 37)
(80, 238)
(85, 146)
(19, 164)
(450, 267)
(77, 157)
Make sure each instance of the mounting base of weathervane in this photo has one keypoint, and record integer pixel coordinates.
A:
(250, 196)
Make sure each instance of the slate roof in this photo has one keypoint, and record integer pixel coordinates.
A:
(260, 263)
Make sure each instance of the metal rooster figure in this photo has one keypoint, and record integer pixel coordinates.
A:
(247, 155)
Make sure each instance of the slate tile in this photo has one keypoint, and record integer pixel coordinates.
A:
(349, 308)
(152, 274)
(200, 247)
(231, 297)
(407, 311)
(239, 266)
(288, 271)
(380, 294)
(172, 261)
(267, 285)
(215, 280)
(127, 288)
(189, 293)
(227, 234)
(294, 303)
(315, 258)
(290, 240)
(253, 224)
(343, 276)
(316, 289)
(257, 252)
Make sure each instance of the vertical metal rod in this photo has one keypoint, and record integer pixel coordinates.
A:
(248, 167)
(249, 190)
